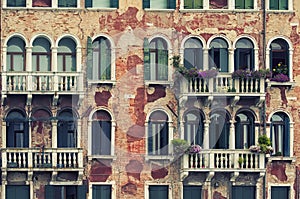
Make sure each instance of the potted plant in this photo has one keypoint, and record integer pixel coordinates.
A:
(180, 146)
(264, 145)
(241, 162)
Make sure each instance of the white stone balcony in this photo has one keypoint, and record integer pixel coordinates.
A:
(223, 86)
(42, 82)
(36, 159)
(223, 160)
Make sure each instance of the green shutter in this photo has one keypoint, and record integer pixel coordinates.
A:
(211, 57)
(188, 4)
(81, 191)
(192, 192)
(49, 192)
(245, 192)
(89, 56)
(239, 4)
(283, 5)
(88, 3)
(146, 60)
(198, 4)
(188, 58)
(146, 4)
(274, 4)
(249, 4)
(96, 134)
(171, 4)
(236, 59)
(114, 3)
(150, 139)
(279, 192)
(286, 137)
(224, 59)
(158, 192)
(101, 191)
(252, 60)
(162, 65)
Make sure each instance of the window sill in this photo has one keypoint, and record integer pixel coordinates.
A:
(159, 158)
(102, 157)
(281, 158)
(158, 82)
(277, 84)
(281, 11)
(101, 9)
(102, 82)
(159, 10)
(184, 10)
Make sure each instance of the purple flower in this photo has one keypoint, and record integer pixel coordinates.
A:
(280, 78)
(194, 149)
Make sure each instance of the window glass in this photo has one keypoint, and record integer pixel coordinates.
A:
(244, 4)
(101, 59)
(67, 3)
(41, 55)
(192, 192)
(101, 133)
(280, 192)
(158, 134)
(41, 3)
(245, 192)
(15, 54)
(218, 54)
(67, 129)
(244, 130)
(66, 55)
(102, 191)
(102, 3)
(194, 127)
(17, 192)
(158, 59)
(193, 4)
(219, 130)
(280, 134)
(193, 54)
(279, 57)
(218, 4)
(158, 192)
(16, 3)
(244, 55)
(278, 4)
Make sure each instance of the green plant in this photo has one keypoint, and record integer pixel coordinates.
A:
(278, 153)
(264, 144)
(176, 61)
(180, 146)
(241, 161)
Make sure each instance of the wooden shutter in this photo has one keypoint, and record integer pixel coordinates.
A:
(158, 192)
(81, 191)
(286, 137)
(10, 138)
(245, 192)
(17, 192)
(88, 4)
(89, 53)
(114, 3)
(249, 4)
(283, 5)
(164, 139)
(105, 138)
(279, 192)
(224, 59)
(171, 4)
(49, 192)
(238, 136)
(101, 191)
(188, 4)
(146, 59)
(26, 134)
(198, 4)
(251, 133)
(162, 65)
(192, 192)
(62, 134)
(150, 138)
(252, 59)
(211, 57)
(236, 59)
(239, 4)
(274, 4)
(96, 132)
(146, 4)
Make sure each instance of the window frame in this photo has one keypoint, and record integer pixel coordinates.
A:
(114, 4)
(219, 55)
(250, 55)
(171, 5)
(111, 183)
(10, 55)
(244, 4)
(223, 134)
(244, 192)
(197, 59)
(64, 56)
(64, 123)
(250, 125)
(199, 134)
(38, 55)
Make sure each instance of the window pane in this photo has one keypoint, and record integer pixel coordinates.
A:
(283, 4)
(192, 192)
(280, 192)
(16, 3)
(218, 4)
(245, 192)
(158, 192)
(18, 63)
(102, 191)
(67, 3)
(101, 4)
(159, 4)
(41, 3)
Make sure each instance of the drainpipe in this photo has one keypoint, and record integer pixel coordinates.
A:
(264, 28)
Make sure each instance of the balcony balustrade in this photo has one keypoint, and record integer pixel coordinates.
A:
(66, 82)
(223, 84)
(224, 160)
(64, 158)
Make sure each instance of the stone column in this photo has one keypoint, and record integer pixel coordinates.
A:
(206, 134)
(232, 135)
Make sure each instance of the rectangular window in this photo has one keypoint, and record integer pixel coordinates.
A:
(218, 4)
(193, 4)
(102, 3)
(65, 192)
(158, 192)
(16, 3)
(17, 192)
(159, 4)
(245, 192)
(41, 3)
(244, 4)
(102, 191)
(280, 192)
(279, 4)
(67, 3)
(192, 192)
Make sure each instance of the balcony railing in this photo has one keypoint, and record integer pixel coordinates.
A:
(68, 158)
(42, 81)
(224, 160)
(223, 84)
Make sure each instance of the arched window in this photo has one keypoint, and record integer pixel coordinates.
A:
(219, 130)
(41, 55)
(158, 134)
(158, 59)
(194, 127)
(66, 55)
(41, 127)
(17, 129)
(244, 55)
(218, 54)
(280, 134)
(15, 56)
(279, 57)
(193, 54)
(101, 133)
(67, 129)
(101, 59)
(244, 130)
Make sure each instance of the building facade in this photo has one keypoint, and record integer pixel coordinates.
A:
(94, 92)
